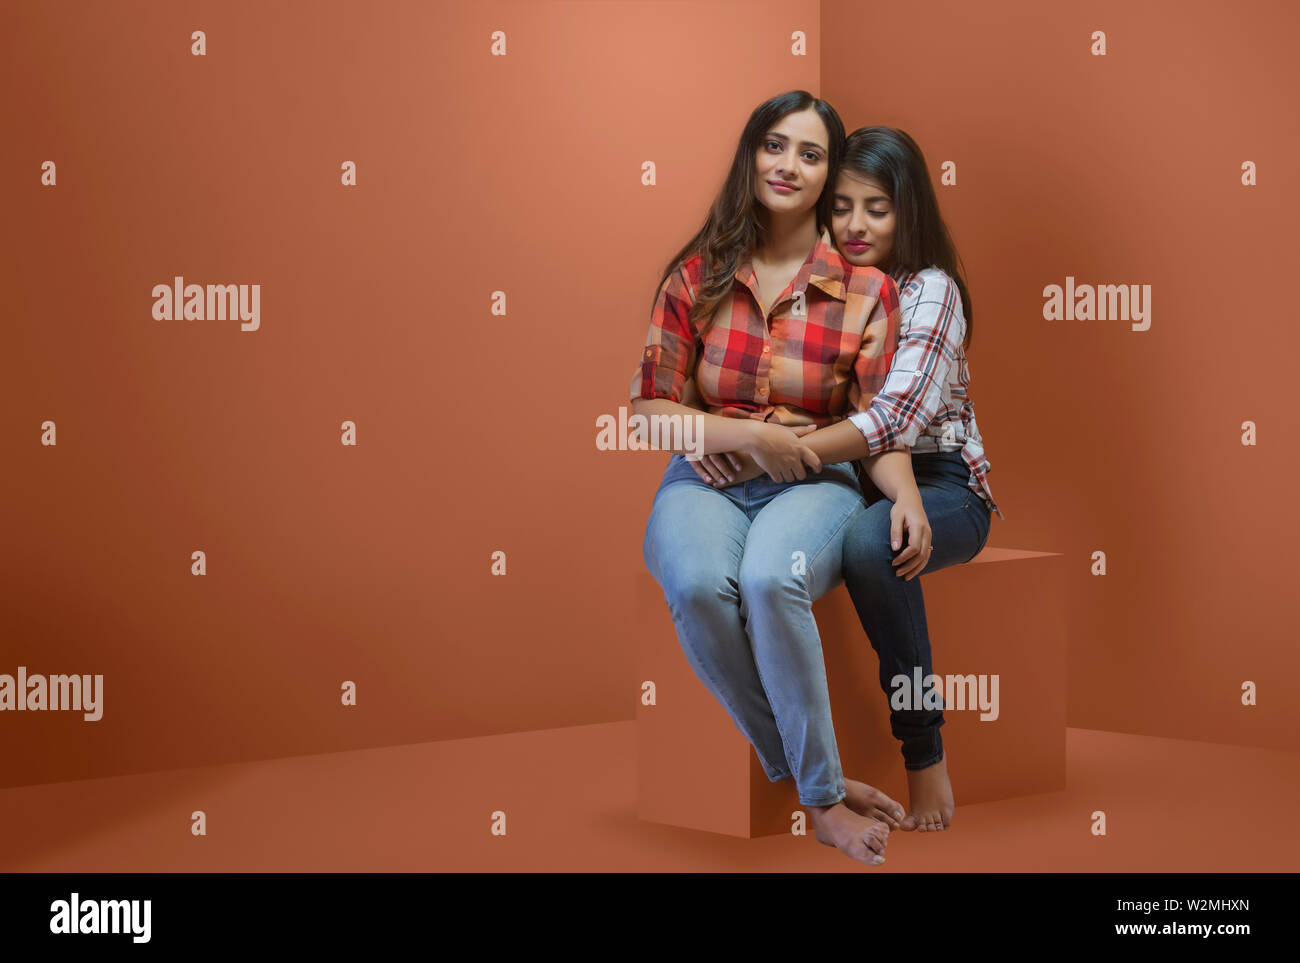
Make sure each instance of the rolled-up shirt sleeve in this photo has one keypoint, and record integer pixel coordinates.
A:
(671, 346)
(933, 329)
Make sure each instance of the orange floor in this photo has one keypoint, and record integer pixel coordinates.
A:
(570, 801)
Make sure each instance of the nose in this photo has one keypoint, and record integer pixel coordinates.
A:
(786, 165)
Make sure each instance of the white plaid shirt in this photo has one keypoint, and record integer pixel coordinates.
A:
(924, 401)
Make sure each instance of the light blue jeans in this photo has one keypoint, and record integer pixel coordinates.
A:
(740, 568)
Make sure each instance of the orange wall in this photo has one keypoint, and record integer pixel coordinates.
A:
(476, 432)
(1125, 168)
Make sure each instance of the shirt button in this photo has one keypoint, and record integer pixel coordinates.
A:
(762, 391)
(766, 349)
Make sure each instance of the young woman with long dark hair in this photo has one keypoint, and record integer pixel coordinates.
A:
(886, 215)
(781, 337)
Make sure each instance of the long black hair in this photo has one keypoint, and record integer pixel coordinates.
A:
(733, 227)
(921, 239)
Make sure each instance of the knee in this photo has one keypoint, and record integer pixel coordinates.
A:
(769, 583)
(689, 589)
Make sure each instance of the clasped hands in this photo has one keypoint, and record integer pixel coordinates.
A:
(774, 450)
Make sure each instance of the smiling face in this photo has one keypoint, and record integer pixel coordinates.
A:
(790, 164)
(862, 221)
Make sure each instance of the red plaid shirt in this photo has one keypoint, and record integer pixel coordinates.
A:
(823, 351)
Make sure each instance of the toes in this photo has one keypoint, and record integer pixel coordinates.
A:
(886, 817)
(909, 823)
(871, 857)
(881, 806)
(887, 807)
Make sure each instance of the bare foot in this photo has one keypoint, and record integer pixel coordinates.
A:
(857, 836)
(930, 802)
(866, 801)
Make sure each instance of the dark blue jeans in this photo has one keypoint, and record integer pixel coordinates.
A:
(892, 609)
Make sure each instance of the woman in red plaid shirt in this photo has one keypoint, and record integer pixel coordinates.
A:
(782, 336)
(886, 215)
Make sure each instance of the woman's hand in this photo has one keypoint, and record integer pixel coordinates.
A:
(777, 450)
(908, 515)
(734, 467)
(717, 469)
(724, 470)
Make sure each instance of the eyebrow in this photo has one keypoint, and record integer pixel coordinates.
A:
(806, 143)
(870, 200)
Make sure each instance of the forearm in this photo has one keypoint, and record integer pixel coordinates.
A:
(838, 442)
(891, 472)
(713, 433)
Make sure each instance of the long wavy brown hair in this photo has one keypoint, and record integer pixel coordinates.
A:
(733, 227)
(921, 239)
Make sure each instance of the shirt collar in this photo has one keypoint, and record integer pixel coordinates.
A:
(824, 268)
(827, 267)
